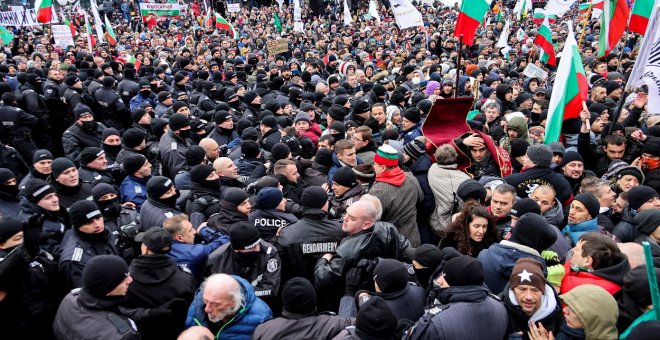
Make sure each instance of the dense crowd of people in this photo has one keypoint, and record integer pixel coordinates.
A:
(185, 184)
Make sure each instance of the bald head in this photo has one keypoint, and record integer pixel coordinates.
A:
(225, 167)
(376, 204)
(360, 215)
(211, 148)
(196, 333)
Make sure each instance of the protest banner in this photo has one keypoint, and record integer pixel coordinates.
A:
(159, 10)
(233, 8)
(277, 46)
(534, 71)
(62, 35)
(20, 17)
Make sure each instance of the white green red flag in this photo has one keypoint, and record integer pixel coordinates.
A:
(612, 25)
(540, 14)
(594, 6)
(521, 8)
(91, 42)
(72, 27)
(521, 35)
(558, 7)
(639, 18)
(109, 32)
(470, 17)
(544, 40)
(224, 25)
(570, 90)
(44, 10)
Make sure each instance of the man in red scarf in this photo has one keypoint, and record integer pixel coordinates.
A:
(399, 193)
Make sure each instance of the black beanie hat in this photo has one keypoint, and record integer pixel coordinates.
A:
(324, 157)
(647, 221)
(133, 163)
(390, 275)
(80, 110)
(199, 173)
(221, 116)
(314, 197)
(178, 105)
(471, 189)
(652, 147)
(137, 114)
(60, 165)
(345, 176)
(463, 271)
(36, 189)
(102, 189)
(412, 114)
(280, 151)
(415, 149)
(103, 273)
(157, 186)
(269, 198)
(89, 154)
(519, 147)
(234, 195)
(178, 121)
(571, 156)
(590, 202)
(109, 132)
(269, 121)
(244, 235)
(133, 137)
(5, 175)
(195, 155)
(375, 320)
(9, 226)
(637, 196)
(361, 106)
(523, 206)
(299, 296)
(250, 149)
(533, 231)
(83, 212)
(250, 96)
(41, 155)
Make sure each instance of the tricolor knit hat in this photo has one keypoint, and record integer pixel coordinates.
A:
(387, 156)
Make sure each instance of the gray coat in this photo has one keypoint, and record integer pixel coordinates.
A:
(400, 205)
(444, 181)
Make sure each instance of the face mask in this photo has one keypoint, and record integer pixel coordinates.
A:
(213, 184)
(11, 190)
(110, 208)
(235, 104)
(248, 257)
(184, 134)
(112, 150)
(416, 81)
(146, 126)
(89, 125)
(145, 93)
(650, 164)
(170, 201)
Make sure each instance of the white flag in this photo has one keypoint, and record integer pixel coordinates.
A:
(373, 11)
(97, 22)
(558, 7)
(347, 15)
(521, 7)
(504, 36)
(406, 14)
(647, 66)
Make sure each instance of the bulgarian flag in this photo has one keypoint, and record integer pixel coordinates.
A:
(209, 20)
(544, 40)
(566, 101)
(539, 15)
(109, 32)
(612, 24)
(44, 9)
(639, 18)
(131, 59)
(471, 16)
(72, 27)
(521, 35)
(222, 24)
(5, 35)
(90, 35)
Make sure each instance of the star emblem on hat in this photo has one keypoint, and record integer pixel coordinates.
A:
(525, 276)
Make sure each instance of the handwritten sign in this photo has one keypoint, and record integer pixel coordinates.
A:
(62, 35)
(277, 46)
(534, 71)
(233, 8)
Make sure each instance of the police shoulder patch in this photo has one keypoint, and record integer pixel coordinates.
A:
(77, 254)
(272, 265)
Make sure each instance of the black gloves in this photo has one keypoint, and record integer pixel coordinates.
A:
(171, 307)
(353, 280)
(32, 233)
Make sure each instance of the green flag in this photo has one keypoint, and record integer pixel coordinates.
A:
(278, 24)
(5, 35)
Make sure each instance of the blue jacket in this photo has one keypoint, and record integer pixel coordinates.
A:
(138, 99)
(498, 261)
(193, 256)
(411, 134)
(336, 165)
(242, 325)
(134, 190)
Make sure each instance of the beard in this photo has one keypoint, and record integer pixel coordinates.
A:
(221, 316)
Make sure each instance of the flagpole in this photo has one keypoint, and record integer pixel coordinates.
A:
(458, 63)
(616, 114)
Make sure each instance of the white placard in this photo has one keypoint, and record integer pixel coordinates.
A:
(62, 35)
(534, 71)
(233, 8)
(20, 17)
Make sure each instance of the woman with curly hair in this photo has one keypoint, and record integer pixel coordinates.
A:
(472, 231)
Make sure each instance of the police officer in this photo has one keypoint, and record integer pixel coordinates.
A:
(250, 257)
(268, 214)
(301, 244)
(33, 103)
(73, 94)
(122, 220)
(128, 87)
(111, 108)
(161, 202)
(87, 239)
(94, 167)
(204, 191)
(85, 132)
(16, 126)
(57, 109)
(174, 144)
